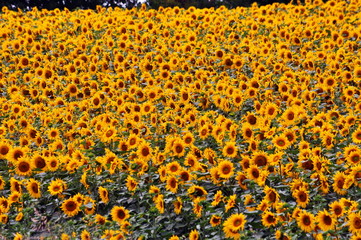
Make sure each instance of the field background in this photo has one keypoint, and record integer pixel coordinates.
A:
(181, 123)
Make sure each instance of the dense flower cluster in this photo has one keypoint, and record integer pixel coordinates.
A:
(181, 123)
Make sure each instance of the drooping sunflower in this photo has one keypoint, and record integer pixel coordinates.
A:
(2, 183)
(131, 183)
(196, 191)
(178, 204)
(33, 187)
(104, 195)
(225, 169)
(119, 214)
(217, 198)
(306, 221)
(325, 220)
(70, 207)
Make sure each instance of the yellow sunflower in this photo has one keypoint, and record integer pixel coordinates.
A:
(225, 169)
(33, 187)
(70, 207)
(325, 220)
(230, 150)
(306, 221)
(119, 214)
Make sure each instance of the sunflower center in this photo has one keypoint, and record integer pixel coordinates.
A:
(261, 160)
(4, 150)
(145, 152)
(178, 149)
(271, 219)
(24, 167)
(357, 223)
(306, 220)
(121, 214)
(327, 220)
(230, 150)
(226, 170)
(71, 206)
(237, 222)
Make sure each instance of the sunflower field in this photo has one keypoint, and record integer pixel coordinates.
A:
(181, 123)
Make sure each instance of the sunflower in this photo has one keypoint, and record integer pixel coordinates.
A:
(5, 205)
(356, 136)
(4, 149)
(70, 207)
(100, 220)
(225, 169)
(2, 183)
(85, 235)
(194, 235)
(131, 184)
(215, 220)
(178, 148)
(260, 159)
(56, 187)
(52, 163)
(196, 191)
(230, 202)
(159, 203)
(325, 221)
(272, 195)
(281, 142)
(16, 153)
(173, 168)
(339, 180)
(33, 187)
(302, 197)
(15, 185)
(188, 138)
(337, 209)
(241, 177)
(178, 204)
(103, 193)
(235, 222)
(230, 150)
(172, 184)
(144, 151)
(306, 221)
(119, 214)
(23, 167)
(269, 219)
(354, 222)
(39, 162)
(174, 238)
(217, 198)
